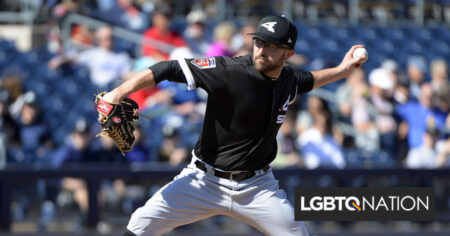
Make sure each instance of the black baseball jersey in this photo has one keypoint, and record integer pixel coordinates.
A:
(245, 108)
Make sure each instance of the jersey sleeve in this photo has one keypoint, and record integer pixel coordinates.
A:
(168, 70)
(305, 81)
(207, 73)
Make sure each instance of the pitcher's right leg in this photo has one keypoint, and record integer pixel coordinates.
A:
(184, 200)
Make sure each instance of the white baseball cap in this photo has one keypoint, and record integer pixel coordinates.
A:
(380, 77)
(196, 16)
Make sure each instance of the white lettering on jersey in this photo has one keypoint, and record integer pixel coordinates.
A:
(281, 118)
(285, 105)
(269, 26)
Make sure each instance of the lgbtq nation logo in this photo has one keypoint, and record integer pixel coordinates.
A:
(370, 204)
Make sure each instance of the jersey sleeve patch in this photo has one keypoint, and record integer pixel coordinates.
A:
(204, 63)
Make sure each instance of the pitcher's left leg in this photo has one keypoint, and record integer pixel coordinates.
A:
(264, 206)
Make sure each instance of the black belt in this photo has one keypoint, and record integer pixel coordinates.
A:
(236, 176)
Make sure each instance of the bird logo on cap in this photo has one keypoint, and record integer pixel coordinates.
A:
(269, 26)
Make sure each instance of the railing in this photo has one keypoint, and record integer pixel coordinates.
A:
(93, 175)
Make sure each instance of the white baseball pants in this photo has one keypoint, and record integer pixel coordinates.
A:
(194, 195)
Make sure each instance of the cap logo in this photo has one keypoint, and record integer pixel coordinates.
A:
(269, 26)
(289, 40)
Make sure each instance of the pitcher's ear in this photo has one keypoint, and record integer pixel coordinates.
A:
(289, 54)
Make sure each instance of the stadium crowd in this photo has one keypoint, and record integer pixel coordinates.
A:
(388, 115)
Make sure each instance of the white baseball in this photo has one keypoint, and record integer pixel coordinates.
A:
(360, 52)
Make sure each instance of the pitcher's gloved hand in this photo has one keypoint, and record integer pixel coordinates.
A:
(118, 121)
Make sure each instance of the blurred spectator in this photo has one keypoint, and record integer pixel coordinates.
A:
(125, 190)
(344, 93)
(65, 7)
(9, 130)
(416, 70)
(305, 119)
(242, 43)
(125, 14)
(167, 93)
(194, 34)
(401, 97)
(53, 37)
(401, 93)
(318, 147)
(161, 32)
(181, 53)
(443, 146)
(440, 84)
(443, 98)
(8, 126)
(363, 117)
(142, 95)
(184, 100)
(439, 74)
(287, 150)
(180, 125)
(105, 66)
(391, 67)
(77, 188)
(418, 115)
(140, 152)
(105, 5)
(171, 150)
(424, 156)
(107, 152)
(13, 85)
(298, 60)
(34, 134)
(146, 97)
(131, 17)
(78, 148)
(223, 33)
(381, 90)
(81, 36)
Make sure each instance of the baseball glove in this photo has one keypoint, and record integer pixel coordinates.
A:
(119, 123)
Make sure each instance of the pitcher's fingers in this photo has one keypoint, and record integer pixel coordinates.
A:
(101, 118)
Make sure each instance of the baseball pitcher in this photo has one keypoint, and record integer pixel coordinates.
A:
(248, 98)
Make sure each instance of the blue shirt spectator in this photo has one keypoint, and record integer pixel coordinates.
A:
(318, 147)
(418, 115)
(78, 149)
(34, 133)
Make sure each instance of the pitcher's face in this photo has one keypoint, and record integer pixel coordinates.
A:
(268, 57)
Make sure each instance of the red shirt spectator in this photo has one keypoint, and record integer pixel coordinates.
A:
(141, 96)
(160, 31)
(168, 37)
